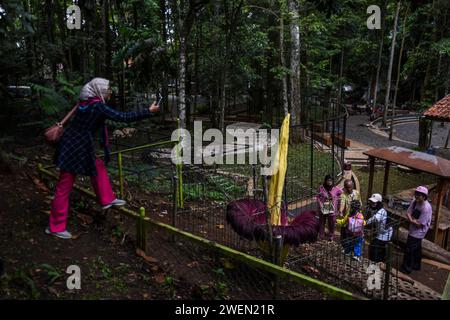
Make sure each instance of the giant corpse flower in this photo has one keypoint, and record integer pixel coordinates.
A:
(248, 216)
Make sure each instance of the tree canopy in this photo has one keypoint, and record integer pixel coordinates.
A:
(262, 55)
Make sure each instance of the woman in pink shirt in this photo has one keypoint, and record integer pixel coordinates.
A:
(419, 216)
(328, 199)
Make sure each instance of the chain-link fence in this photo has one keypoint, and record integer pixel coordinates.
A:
(194, 199)
(363, 263)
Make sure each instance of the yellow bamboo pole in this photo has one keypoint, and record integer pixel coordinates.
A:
(141, 234)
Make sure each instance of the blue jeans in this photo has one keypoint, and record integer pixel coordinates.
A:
(357, 247)
(354, 244)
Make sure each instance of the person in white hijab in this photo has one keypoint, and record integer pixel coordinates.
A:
(97, 87)
(75, 153)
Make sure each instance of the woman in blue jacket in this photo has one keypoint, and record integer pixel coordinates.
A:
(75, 153)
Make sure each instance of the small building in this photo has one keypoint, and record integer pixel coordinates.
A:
(440, 111)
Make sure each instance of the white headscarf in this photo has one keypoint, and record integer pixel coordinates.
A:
(97, 87)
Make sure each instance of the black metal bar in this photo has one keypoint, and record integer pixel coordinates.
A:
(332, 148)
(174, 198)
(312, 159)
(343, 141)
(277, 248)
(254, 181)
(387, 275)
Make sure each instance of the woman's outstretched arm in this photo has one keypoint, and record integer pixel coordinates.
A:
(118, 116)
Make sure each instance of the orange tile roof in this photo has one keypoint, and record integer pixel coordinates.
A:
(440, 110)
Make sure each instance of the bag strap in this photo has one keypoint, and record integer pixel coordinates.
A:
(68, 115)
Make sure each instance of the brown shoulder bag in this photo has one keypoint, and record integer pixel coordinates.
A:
(54, 133)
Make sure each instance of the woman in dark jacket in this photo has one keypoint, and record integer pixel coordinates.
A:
(75, 153)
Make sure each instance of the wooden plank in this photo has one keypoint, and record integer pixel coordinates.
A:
(386, 177)
(438, 210)
(437, 264)
(429, 249)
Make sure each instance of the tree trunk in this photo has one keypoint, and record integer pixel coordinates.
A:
(223, 73)
(341, 72)
(196, 67)
(400, 56)
(436, 95)
(448, 138)
(424, 130)
(380, 54)
(447, 83)
(30, 47)
(423, 89)
(182, 82)
(426, 80)
(66, 56)
(186, 14)
(284, 95)
(231, 23)
(399, 66)
(295, 63)
(107, 49)
(222, 98)
(50, 35)
(164, 81)
(391, 62)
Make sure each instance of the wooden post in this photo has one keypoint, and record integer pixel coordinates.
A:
(141, 234)
(371, 173)
(438, 209)
(386, 177)
(276, 259)
(447, 140)
(430, 135)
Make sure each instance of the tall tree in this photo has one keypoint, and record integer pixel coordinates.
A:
(380, 55)
(187, 9)
(284, 94)
(399, 65)
(391, 62)
(295, 61)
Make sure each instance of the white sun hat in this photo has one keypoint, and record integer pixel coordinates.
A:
(376, 197)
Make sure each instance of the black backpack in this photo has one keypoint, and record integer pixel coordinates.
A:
(415, 212)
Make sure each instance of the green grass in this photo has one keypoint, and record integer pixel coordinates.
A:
(298, 176)
(299, 170)
(150, 178)
(398, 180)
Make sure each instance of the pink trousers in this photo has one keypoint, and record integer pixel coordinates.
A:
(60, 204)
